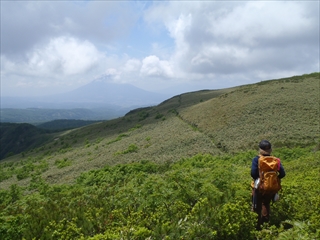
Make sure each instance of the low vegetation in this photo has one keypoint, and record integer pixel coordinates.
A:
(179, 170)
(202, 197)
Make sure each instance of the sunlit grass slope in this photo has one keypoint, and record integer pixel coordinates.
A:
(285, 111)
(215, 122)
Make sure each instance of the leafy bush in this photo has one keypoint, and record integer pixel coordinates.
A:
(158, 116)
(143, 115)
(118, 138)
(63, 163)
(132, 148)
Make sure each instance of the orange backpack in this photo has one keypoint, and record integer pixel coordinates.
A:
(269, 167)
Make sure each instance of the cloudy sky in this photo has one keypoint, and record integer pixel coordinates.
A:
(177, 46)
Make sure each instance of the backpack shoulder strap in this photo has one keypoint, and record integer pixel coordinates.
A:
(259, 166)
(278, 159)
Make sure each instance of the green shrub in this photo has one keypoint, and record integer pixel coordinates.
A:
(158, 116)
(143, 115)
(132, 148)
(63, 163)
(202, 197)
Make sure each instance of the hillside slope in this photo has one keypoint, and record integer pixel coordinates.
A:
(215, 122)
(15, 138)
(285, 111)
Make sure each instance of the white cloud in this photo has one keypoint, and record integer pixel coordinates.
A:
(62, 62)
(244, 37)
(132, 65)
(29, 22)
(255, 23)
(64, 55)
(152, 66)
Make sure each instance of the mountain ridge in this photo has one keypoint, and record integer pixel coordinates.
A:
(96, 94)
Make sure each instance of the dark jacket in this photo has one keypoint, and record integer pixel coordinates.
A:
(255, 169)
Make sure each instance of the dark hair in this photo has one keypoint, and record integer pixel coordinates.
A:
(265, 145)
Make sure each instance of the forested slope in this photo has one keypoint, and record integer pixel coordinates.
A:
(16, 138)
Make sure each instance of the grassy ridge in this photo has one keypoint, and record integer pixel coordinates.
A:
(286, 111)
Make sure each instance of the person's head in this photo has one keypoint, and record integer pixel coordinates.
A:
(265, 147)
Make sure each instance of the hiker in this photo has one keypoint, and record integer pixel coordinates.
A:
(264, 189)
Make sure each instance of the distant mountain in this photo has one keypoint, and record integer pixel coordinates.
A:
(97, 94)
(102, 92)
